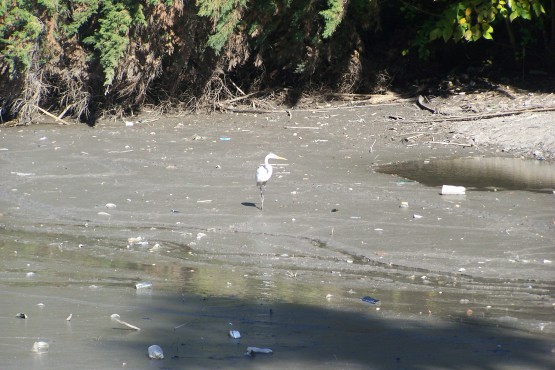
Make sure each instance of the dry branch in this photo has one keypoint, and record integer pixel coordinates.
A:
(420, 101)
(239, 98)
(249, 110)
(52, 116)
(450, 143)
(474, 117)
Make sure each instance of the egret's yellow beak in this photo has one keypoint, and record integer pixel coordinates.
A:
(278, 157)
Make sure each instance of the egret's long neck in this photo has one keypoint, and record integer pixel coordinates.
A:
(268, 166)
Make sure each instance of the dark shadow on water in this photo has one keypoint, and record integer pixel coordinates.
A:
(193, 331)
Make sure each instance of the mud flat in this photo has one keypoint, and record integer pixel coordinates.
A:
(462, 281)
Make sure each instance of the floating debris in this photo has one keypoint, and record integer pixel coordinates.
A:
(22, 173)
(116, 318)
(198, 138)
(251, 351)
(453, 190)
(155, 352)
(40, 347)
(370, 300)
(235, 334)
(143, 285)
(136, 241)
(21, 316)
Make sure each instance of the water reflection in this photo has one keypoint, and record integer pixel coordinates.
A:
(479, 173)
(42, 259)
(401, 291)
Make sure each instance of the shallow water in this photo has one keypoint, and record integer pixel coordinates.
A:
(306, 317)
(63, 261)
(478, 173)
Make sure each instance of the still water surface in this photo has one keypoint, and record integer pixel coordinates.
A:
(478, 173)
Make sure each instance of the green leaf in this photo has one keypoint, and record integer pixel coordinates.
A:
(513, 16)
(435, 34)
(447, 33)
(332, 17)
(538, 8)
(458, 34)
(468, 35)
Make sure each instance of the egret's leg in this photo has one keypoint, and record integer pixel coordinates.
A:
(262, 189)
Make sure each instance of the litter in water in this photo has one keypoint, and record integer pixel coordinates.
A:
(251, 351)
(116, 318)
(155, 352)
(478, 173)
(143, 285)
(453, 190)
(235, 334)
(40, 347)
(370, 300)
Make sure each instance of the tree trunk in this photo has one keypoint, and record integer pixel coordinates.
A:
(512, 38)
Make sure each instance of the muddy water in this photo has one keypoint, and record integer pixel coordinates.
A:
(471, 277)
(479, 173)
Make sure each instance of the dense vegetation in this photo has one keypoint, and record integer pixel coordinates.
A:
(84, 58)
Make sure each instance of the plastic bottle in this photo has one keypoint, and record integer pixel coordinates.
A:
(143, 285)
(155, 352)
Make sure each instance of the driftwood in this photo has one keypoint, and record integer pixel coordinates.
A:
(474, 117)
(53, 116)
(249, 110)
(421, 102)
(450, 143)
(361, 101)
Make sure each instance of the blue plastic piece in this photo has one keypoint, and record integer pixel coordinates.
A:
(370, 300)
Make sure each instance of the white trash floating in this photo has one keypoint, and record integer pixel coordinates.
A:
(251, 351)
(235, 334)
(143, 285)
(453, 190)
(155, 352)
(40, 347)
(116, 318)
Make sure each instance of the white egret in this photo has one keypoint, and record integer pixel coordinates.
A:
(263, 174)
